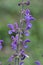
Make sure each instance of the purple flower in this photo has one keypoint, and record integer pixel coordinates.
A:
(14, 45)
(11, 58)
(13, 28)
(15, 42)
(0, 47)
(27, 40)
(26, 33)
(21, 63)
(25, 43)
(27, 12)
(28, 18)
(28, 3)
(28, 26)
(1, 41)
(37, 63)
(10, 31)
(23, 55)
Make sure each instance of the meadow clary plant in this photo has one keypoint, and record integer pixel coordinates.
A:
(18, 32)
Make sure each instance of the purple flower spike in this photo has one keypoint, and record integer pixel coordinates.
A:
(21, 63)
(37, 63)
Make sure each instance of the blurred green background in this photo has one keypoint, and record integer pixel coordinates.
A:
(9, 13)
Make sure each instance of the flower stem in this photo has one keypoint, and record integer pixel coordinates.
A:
(17, 51)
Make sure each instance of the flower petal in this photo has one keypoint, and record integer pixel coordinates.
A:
(26, 33)
(27, 11)
(0, 47)
(37, 63)
(28, 26)
(1, 41)
(10, 32)
(11, 26)
(11, 58)
(25, 46)
(21, 63)
(27, 40)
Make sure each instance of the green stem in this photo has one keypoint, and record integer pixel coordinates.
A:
(17, 51)
(15, 61)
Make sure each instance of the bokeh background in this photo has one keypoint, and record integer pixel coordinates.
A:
(9, 13)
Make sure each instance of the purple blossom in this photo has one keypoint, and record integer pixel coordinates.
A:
(13, 28)
(0, 47)
(11, 58)
(29, 25)
(10, 32)
(37, 63)
(14, 45)
(28, 3)
(25, 43)
(1, 41)
(26, 33)
(25, 46)
(15, 42)
(21, 63)
(23, 55)
(28, 18)
(21, 51)
(27, 12)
